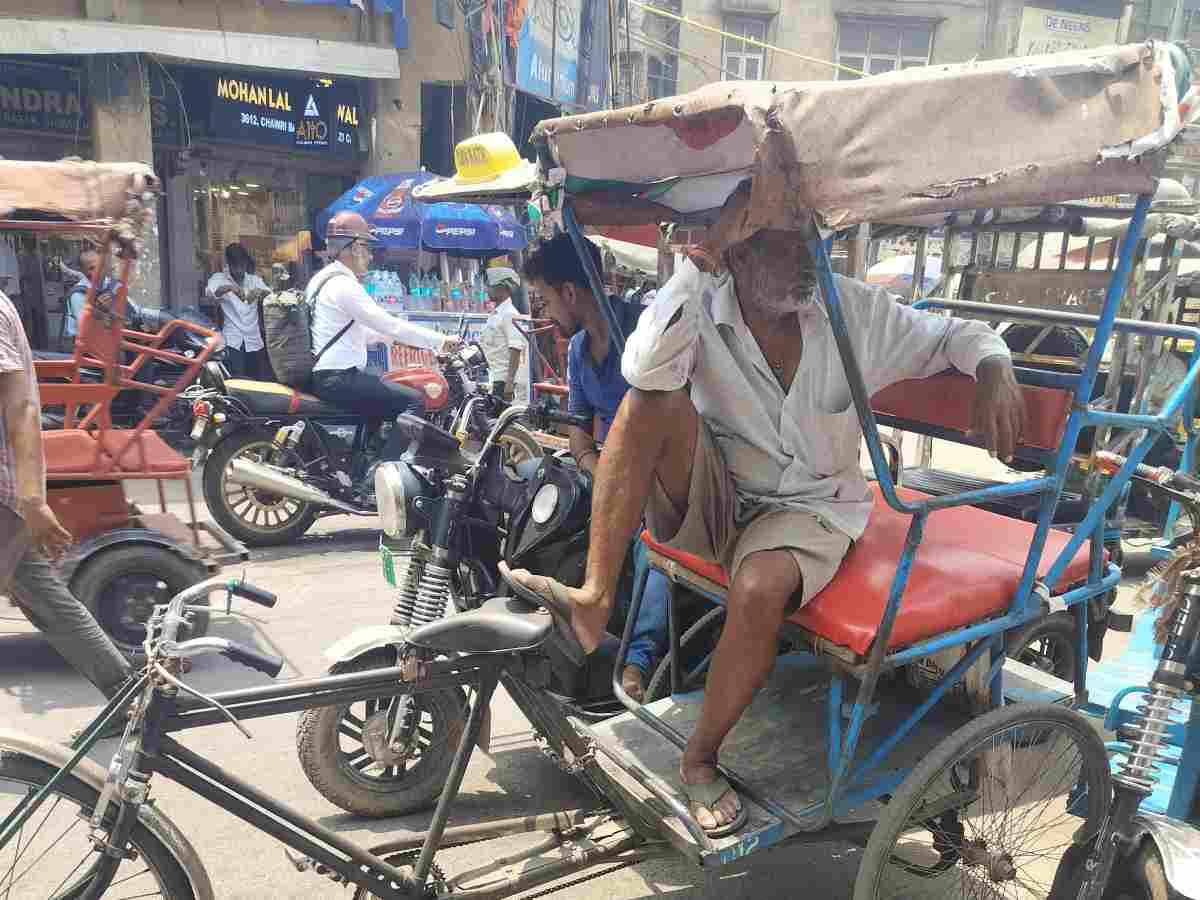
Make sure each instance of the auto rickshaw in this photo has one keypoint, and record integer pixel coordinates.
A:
(126, 558)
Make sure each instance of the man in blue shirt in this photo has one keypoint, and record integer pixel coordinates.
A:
(597, 388)
(89, 262)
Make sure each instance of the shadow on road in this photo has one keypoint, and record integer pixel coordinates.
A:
(520, 781)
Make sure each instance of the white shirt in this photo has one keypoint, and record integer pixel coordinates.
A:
(798, 449)
(500, 335)
(241, 318)
(339, 298)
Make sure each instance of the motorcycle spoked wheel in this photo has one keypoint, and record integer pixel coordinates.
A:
(332, 743)
(255, 517)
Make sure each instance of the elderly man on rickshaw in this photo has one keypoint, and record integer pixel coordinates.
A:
(740, 443)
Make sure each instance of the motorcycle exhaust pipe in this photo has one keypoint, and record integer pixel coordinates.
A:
(264, 478)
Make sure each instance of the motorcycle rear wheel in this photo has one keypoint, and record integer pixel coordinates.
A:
(254, 517)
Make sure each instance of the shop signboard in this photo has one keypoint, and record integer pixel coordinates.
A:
(42, 98)
(1053, 30)
(549, 62)
(315, 115)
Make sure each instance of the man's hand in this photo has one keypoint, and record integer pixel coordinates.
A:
(46, 532)
(509, 392)
(998, 415)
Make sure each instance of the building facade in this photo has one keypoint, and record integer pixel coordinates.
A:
(255, 115)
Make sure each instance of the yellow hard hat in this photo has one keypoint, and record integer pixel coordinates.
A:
(487, 165)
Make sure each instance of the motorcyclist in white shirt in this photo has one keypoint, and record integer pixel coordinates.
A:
(346, 319)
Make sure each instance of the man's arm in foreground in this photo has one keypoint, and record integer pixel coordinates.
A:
(24, 434)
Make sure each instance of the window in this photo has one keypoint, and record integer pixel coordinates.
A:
(630, 76)
(662, 76)
(740, 59)
(881, 45)
(1152, 20)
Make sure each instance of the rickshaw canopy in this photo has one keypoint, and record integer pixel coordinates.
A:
(880, 149)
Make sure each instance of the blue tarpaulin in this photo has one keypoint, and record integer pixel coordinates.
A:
(400, 223)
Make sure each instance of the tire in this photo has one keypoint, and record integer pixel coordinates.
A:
(155, 864)
(1047, 644)
(283, 519)
(331, 768)
(961, 858)
(121, 585)
(1144, 877)
(519, 446)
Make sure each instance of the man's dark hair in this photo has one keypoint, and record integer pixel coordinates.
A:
(236, 253)
(555, 263)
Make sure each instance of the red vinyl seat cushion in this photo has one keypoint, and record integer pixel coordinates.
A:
(154, 457)
(966, 570)
(68, 451)
(945, 400)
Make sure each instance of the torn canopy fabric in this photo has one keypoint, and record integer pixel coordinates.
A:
(1013, 132)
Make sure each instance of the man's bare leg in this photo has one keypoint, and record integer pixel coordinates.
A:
(653, 435)
(757, 604)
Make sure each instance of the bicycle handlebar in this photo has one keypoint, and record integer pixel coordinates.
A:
(267, 663)
(254, 594)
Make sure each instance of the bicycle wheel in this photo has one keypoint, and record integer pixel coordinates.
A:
(989, 813)
(51, 857)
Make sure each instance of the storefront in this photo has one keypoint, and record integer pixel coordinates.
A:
(43, 116)
(250, 158)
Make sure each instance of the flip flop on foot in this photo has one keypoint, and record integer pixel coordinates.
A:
(548, 594)
(703, 799)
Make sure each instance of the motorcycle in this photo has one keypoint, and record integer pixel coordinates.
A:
(447, 521)
(275, 459)
(129, 406)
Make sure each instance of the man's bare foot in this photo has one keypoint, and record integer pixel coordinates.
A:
(633, 683)
(717, 813)
(589, 611)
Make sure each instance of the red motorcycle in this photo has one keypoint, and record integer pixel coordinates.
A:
(276, 459)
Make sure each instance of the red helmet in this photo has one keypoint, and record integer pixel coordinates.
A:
(348, 225)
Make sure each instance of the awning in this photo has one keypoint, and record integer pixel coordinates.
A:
(233, 48)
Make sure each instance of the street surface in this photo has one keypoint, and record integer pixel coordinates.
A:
(329, 584)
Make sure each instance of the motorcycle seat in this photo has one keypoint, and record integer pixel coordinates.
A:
(269, 398)
(500, 625)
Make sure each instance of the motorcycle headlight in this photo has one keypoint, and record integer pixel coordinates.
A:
(395, 488)
(545, 502)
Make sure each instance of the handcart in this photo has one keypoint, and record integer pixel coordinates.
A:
(126, 558)
(949, 791)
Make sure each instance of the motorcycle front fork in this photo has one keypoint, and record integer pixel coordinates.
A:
(1086, 869)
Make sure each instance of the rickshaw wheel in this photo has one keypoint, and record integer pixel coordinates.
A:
(989, 813)
(1048, 644)
(122, 585)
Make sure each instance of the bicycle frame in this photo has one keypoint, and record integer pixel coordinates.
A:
(321, 848)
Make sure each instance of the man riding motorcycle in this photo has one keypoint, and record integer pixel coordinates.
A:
(345, 319)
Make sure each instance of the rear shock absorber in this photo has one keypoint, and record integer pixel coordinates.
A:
(433, 593)
(1147, 734)
(409, 567)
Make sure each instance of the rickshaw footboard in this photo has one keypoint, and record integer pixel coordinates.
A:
(781, 749)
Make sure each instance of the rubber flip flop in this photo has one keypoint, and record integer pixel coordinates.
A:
(559, 608)
(706, 795)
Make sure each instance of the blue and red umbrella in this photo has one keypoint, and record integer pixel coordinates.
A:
(400, 223)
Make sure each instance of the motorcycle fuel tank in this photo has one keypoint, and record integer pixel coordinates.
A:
(430, 382)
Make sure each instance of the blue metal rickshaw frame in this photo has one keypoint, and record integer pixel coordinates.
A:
(848, 783)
